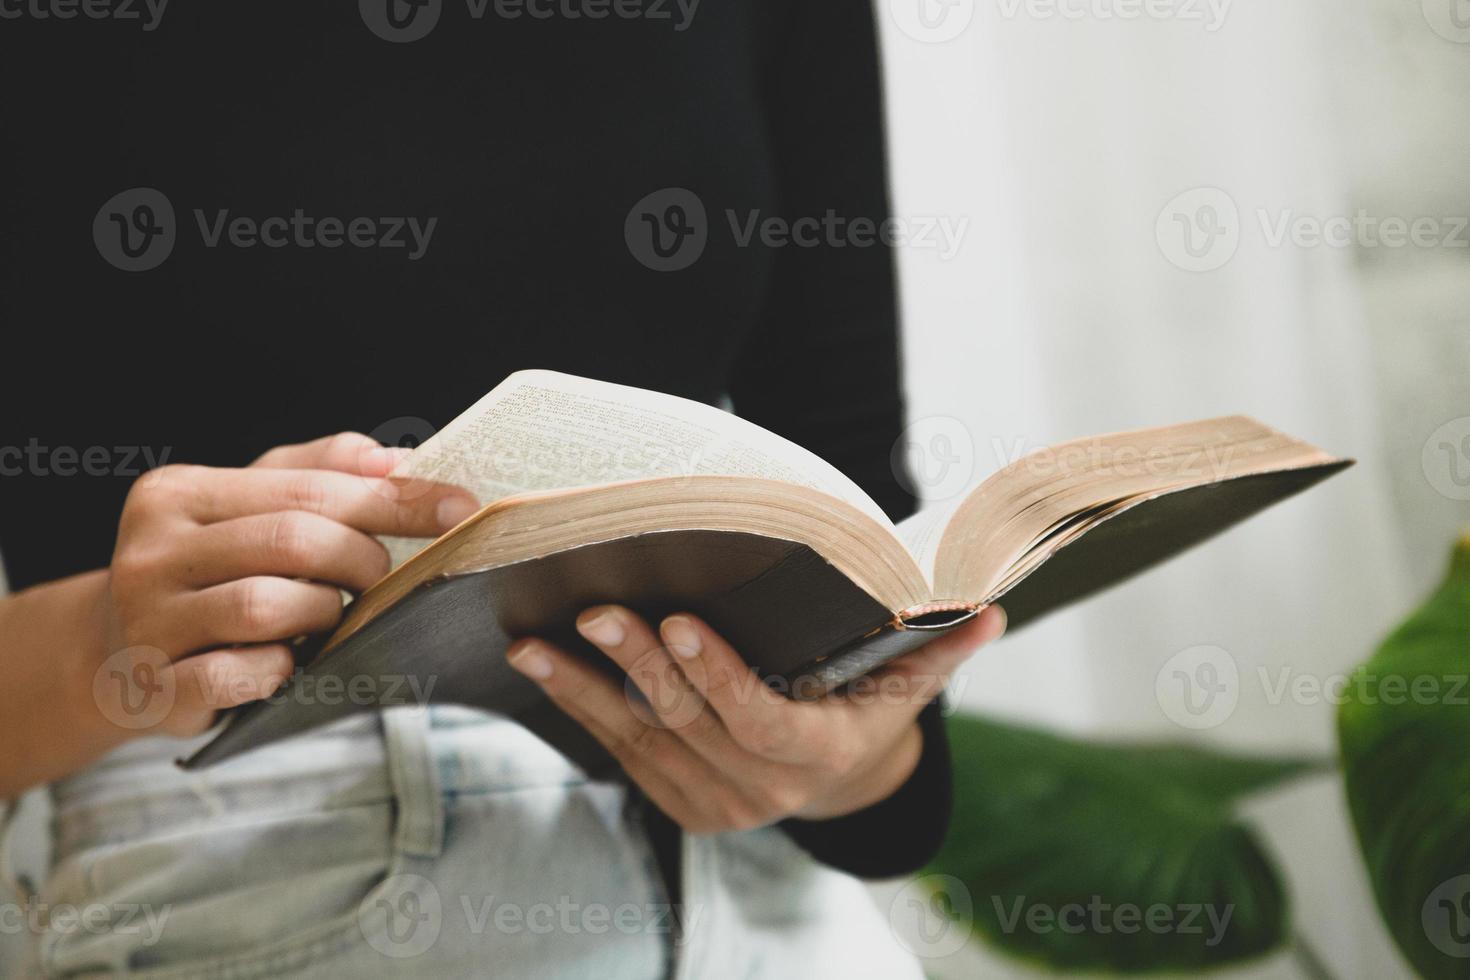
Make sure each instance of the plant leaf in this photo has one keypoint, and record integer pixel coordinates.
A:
(1134, 846)
(1404, 727)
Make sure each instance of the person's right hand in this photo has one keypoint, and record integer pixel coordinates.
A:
(220, 569)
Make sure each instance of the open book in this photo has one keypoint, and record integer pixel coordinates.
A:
(595, 492)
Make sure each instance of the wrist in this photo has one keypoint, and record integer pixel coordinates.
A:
(86, 648)
(55, 639)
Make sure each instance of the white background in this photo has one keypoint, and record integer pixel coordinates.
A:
(1063, 140)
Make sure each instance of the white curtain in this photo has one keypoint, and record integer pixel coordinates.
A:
(1065, 313)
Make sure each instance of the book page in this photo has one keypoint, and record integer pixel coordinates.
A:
(1023, 513)
(542, 430)
(923, 531)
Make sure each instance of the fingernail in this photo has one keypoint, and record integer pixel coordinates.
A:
(681, 636)
(453, 510)
(384, 459)
(529, 660)
(604, 629)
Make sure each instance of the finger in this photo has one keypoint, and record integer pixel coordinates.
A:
(758, 719)
(665, 769)
(259, 609)
(289, 544)
(919, 677)
(674, 703)
(374, 505)
(345, 452)
(210, 682)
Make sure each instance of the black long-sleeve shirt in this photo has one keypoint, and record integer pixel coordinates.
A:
(526, 141)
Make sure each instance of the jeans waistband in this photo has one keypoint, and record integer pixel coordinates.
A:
(138, 791)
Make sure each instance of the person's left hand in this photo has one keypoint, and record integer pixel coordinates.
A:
(715, 748)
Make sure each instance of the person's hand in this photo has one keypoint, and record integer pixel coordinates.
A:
(715, 748)
(220, 569)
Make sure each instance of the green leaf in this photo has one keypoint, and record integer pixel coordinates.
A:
(1405, 732)
(1123, 858)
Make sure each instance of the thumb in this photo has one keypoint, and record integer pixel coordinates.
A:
(924, 672)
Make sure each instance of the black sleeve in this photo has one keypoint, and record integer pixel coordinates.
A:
(823, 368)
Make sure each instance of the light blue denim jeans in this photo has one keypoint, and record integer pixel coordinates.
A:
(439, 842)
